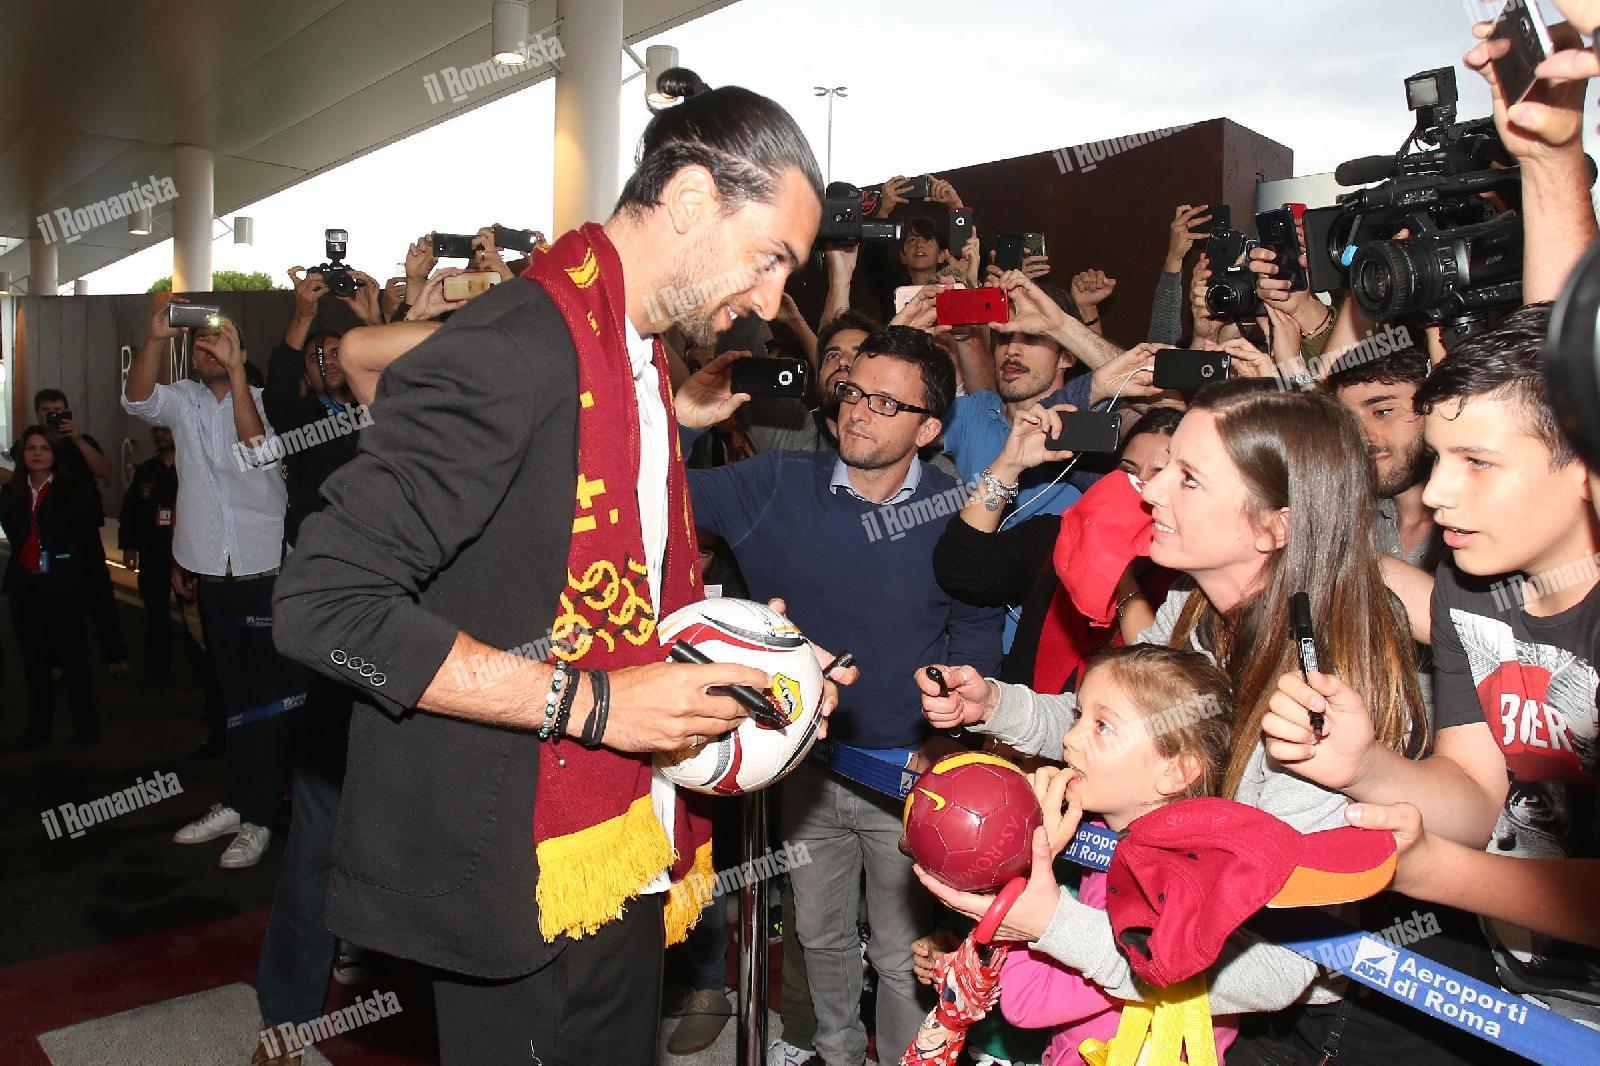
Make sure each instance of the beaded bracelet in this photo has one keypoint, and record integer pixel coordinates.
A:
(996, 493)
(559, 680)
(564, 712)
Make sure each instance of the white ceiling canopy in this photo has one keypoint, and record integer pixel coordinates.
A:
(94, 94)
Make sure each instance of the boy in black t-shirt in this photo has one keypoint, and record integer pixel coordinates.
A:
(1515, 619)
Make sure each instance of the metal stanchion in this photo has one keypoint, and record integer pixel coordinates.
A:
(753, 962)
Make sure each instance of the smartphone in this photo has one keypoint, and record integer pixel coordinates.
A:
(1189, 371)
(1033, 244)
(1088, 431)
(1009, 248)
(516, 240)
(1528, 45)
(972, 307)
(960, 228)
(453, 245)
(1276, 230)
(472, 283)
(921, 187)
(904, 295)
(1221, 217)
(193, 316)
(770, 377)
(55, 418)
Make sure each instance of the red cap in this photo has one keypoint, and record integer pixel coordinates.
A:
(1184, 877)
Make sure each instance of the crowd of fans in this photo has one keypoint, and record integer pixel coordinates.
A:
(1070, 596)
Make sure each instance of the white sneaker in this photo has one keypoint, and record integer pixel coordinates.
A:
(220, 821)
(783, 1053)
(247, 848)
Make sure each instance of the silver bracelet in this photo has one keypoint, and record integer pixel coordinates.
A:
(996, 493)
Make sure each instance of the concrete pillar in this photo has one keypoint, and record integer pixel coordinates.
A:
(41, 267)
(588, 119)
(191, 218)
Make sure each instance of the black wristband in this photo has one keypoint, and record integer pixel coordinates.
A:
(594, 727)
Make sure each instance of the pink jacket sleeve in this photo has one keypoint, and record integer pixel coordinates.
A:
(1037, 992)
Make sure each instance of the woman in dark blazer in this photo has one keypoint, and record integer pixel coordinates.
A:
(49, 519)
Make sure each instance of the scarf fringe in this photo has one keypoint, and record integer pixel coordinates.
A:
(684, 907)
(586, 878)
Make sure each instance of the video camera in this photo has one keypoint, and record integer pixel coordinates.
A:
(334, 273)
(842, 222)
(1462, 254)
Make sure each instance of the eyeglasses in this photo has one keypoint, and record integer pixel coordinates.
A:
(877, 402)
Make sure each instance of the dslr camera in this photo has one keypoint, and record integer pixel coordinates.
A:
(1231, 292)
(1462, 255)
(842, 221)
(335, 274)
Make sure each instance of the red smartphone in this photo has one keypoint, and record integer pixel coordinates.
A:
(972, 307)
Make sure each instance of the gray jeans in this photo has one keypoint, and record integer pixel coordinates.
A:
(848, 828)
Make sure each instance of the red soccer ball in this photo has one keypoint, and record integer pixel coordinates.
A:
(969, 821)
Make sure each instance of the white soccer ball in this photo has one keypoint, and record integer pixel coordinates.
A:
(753, 755)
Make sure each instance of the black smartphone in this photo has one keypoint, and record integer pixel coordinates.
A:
(770, 377)
(1276, 230)
(1528, 45)
(1221, 218)
(1189, 371)
(55, 418)
(453, 245)
(960, 228)
(1224, 249)
(921, 187)
(1088, 431)
(514, 240)
(193, 316)
(1009, 250)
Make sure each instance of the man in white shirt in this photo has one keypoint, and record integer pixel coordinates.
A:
(229, 534)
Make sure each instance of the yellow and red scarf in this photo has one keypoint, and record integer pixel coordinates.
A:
(597, 838)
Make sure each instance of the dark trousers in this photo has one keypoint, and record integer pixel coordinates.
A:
(598, 1001)
(102, 604)
(260, 688)
(155, 592)
(47, 614)
(297, 955)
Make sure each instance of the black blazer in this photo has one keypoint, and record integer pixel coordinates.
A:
(455, 515)
(69, 515)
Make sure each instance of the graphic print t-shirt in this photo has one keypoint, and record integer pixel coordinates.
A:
(1532, 681)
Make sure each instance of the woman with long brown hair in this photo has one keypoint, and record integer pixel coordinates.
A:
(1268, 493)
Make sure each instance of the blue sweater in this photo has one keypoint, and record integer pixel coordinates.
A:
(856, 576)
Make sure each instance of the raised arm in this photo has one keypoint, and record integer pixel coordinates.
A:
(146, 368)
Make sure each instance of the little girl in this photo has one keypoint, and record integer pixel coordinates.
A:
(1154, 725)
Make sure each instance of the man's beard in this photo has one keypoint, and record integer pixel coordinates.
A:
(1407, 470)
(699, 323)
(871, 456)
(1027, 387)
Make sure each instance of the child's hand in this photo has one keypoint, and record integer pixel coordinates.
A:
(1336, 758)
(927, 950)
(1061, 812)
(1033, 911)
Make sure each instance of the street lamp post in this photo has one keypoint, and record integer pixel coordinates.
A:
(837, 90)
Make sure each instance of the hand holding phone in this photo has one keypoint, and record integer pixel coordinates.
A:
(972, 307)
(1518, 43)
(1088, 431)
(466, 285)
(193, 316)
(770, 377)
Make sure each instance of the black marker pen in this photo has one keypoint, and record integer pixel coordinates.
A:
(1305, 645)
(747, 697)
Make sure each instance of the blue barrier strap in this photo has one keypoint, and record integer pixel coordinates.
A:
(266, 710)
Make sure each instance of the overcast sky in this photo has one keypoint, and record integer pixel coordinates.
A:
(932, 85)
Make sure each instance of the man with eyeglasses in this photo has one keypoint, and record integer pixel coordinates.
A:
(846, 537)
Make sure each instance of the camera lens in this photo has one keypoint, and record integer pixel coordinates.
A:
(1224, 300)
(1386, 278)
